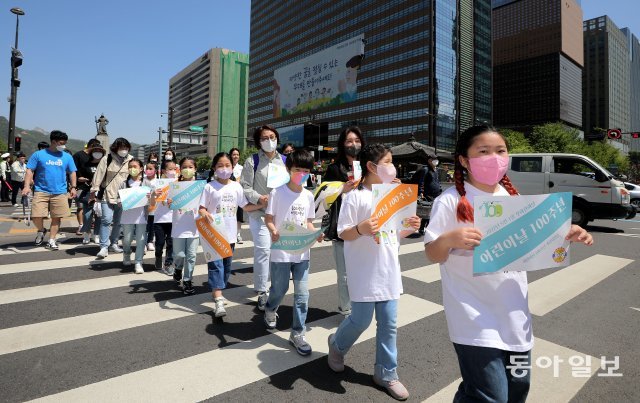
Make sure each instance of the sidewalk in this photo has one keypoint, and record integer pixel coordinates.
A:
(13, 222)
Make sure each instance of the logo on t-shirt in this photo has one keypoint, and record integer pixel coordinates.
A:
(56, 163)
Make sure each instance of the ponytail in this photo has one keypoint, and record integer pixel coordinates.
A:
(464, 211)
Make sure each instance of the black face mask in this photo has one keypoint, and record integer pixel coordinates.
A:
(352, 151)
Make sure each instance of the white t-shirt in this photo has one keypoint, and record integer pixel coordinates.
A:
(136, 215)
(224, 199)
(237, 171)
(184, 224)
(373, 270)
(287, 205)
(490, 310)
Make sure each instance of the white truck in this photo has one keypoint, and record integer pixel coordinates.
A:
(596, 193)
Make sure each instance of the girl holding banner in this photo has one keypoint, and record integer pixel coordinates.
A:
(373, 273)
(162, 217)
(222, 196)
(134, 199)
(488, 316)
(184, 232)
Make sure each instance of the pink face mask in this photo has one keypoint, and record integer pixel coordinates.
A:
(150, 172)
(299, 178)
(386, 173)
(223, 173)
(488, 169)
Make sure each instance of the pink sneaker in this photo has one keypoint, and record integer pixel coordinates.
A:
(395, 388)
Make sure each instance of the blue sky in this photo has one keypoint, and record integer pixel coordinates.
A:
(83, 58)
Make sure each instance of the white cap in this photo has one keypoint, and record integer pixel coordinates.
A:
(5, 155)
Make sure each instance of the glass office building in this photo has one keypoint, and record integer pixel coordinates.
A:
(425, 68)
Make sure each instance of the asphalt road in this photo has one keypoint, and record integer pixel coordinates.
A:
(76, 331)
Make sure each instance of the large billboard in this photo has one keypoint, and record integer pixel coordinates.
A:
(325, 78)
(292, 134)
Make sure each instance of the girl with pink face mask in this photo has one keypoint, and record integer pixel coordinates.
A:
(488, 316)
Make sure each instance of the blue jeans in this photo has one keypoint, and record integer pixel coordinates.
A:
(110, 224)
(87, 214)
(140, 231)
(486, 378)
(219, 271)
(280, 274)
(184, 255)
(261, 252)
(386, 333)
(341, 270)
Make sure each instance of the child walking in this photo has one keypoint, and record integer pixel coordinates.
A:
(162, 225)
(222, 196)
(488, 316)
(373, 273)
(151, 172)
(134, 221)
(184, 234)
(291, 203)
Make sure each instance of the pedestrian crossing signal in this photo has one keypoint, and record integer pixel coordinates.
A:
(17, 143)
(635, 135)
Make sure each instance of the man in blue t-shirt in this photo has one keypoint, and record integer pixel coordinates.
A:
(47, 169)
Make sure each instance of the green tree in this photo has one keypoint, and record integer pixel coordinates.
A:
(556, 138)
(3, 146)
(606, 155)
(246, 153)
(516, 141)
(203, 163)
(634, 166)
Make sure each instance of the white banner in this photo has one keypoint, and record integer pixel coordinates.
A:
(325, 78)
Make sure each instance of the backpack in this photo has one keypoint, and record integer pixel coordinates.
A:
(256, 161)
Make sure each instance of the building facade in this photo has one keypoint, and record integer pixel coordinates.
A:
(606, 81)
(537, 62)
(212, 93)
(425, 68)
(634, 93)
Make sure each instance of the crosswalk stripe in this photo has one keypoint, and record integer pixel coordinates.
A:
(550, 292)
(545, 383)
(77, 327)
(256, 359)
(426, 274)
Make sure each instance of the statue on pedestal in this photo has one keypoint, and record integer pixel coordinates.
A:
(101, 127)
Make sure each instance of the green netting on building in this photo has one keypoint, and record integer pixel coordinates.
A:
(234, 91)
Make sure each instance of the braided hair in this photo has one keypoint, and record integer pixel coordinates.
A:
(464, 211)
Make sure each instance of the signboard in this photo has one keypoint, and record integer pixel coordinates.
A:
(198, 129)
(134, 197)
(295, 239)
(213, 239)
(522, 232)
(292, 134)
(325, 78)
(277, 175)
(393, 205)
(186, 195)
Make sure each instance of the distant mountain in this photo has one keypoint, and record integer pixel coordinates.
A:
(31, 138)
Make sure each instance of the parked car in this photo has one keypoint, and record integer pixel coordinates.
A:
(634, 192)
(597, 196)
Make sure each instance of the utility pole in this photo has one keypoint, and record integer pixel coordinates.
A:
(171, 110)
(16, 61)
(160, 143)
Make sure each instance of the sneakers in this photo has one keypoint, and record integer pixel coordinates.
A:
(219, 310)
(335, 359)
(126, 259)
(138, 268)
(395, 388)
(96, 239)
(298, 341)
(115, 248)
(86, 238)
(344, 312)
(239, 239)
(270, 319)
(79, 231)
(262, 300)
(169, 269)
(151, 246)
(40, 237)
(104, 252)
(52, 245)
(187, 287)
(177, 275)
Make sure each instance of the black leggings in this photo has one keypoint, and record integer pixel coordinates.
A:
(150, 230)
(162, 232)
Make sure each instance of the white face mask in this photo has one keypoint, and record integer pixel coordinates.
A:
(168, 157)
(97, 155)
(435, 163)
(269, 145)
(61, 147)
(123, 153)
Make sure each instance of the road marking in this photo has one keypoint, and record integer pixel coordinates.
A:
(550, 292)
(637, 309)
(544, 382)
(256, 359)
(426, 274)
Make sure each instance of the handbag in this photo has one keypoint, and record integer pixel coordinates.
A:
(330, 222)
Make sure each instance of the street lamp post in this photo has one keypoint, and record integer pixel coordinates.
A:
(319, 145)
(16, 61)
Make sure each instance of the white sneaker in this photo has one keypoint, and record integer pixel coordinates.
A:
(115, 248)
(262, 300)
(150, 246)
(270, 319)
(52, 245)
(219, 310)
(126, 259)
(86, 238)
(96, 239)
(298, 341)
(139, 269)
(239, 239)
(104, 252)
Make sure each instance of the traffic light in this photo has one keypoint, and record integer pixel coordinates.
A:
(635, 135)
(17, 142)
(16, 61)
